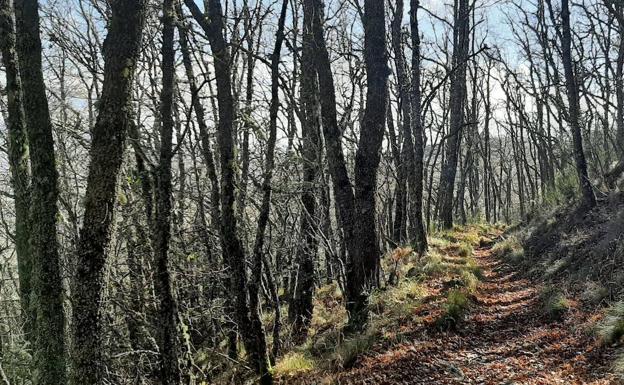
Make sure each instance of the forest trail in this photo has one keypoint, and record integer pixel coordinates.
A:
(505, 339)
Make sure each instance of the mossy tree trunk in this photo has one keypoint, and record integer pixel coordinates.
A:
(363, 266)
(213, 26)
(18, 160)
(46, 282)
(121, 51)
(168, 313)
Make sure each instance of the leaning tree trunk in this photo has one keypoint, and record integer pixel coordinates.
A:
(47, 287)
(167, 309)
(18, 161)
(343, 191)
(461, 36)
(121, 51)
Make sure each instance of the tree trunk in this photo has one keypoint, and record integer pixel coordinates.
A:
(18, 161)
(47, 286)
(363, 265)
(589, 199)
(257, 332)
(301, 305)
(168, 310)
(121, 51)
(461, 36)
(418, 232)
(231, 243)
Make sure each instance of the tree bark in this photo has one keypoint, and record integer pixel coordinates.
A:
(47, 287)
(213, 24)
(168, 310)
(121, 51)
(301, 305)
(18, 161)
(589, 199)
(418, 232)
(363, 265)
(265, 208)
(461, 36)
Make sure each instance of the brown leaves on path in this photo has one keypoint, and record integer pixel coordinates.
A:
(504, 340)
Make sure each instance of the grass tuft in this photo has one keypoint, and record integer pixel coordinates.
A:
(293, 363)
(554, 303)
(349, 351)
(509, 249)
(469, 280)
(455, 308)
(611, 328)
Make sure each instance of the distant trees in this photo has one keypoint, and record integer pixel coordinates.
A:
(277, 148)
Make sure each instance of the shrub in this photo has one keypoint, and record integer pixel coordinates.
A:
(473, 267)
(594, 293)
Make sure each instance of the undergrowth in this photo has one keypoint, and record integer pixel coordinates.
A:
(554, 303)
(393, 308)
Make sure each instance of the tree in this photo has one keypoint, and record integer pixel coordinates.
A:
(574, 109)
(167, 311)
(121, 52)
(301, 305)
(461, 37)
(356, 206)
(363, 266)
(46, 283)
(231, 243)
(18, 160)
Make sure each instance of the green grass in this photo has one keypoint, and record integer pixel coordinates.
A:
(469, 281)
(293, 363)
(455, 308)
(394, 307)
(510, 249)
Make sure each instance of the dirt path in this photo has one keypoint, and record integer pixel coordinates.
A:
(504, 340)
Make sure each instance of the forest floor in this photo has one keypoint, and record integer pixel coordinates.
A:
(504, 338)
